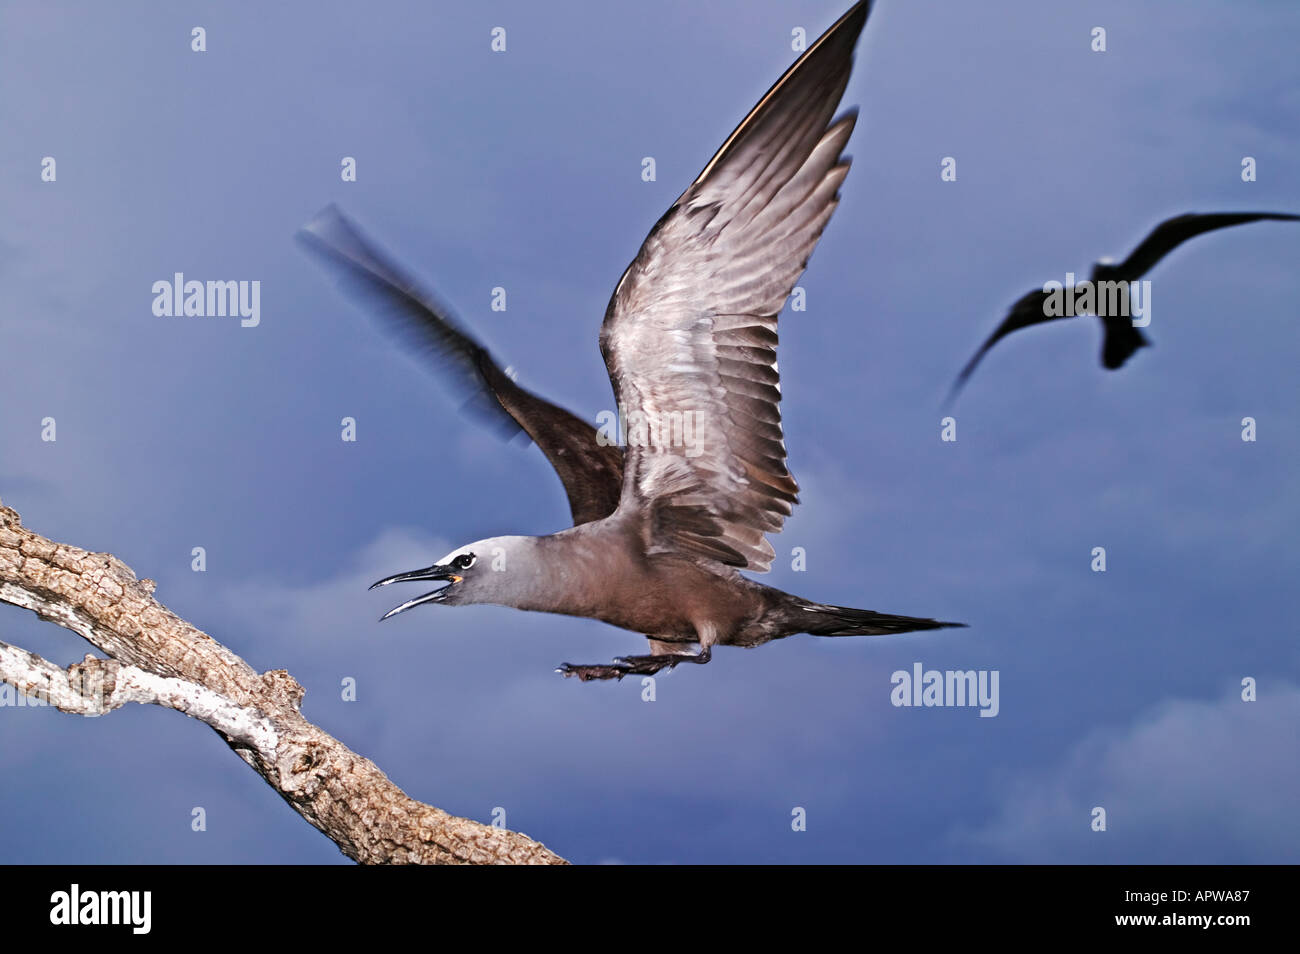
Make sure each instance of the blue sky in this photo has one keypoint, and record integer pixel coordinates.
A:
(522, 169)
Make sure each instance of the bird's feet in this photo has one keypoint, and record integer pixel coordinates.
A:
(632, 666)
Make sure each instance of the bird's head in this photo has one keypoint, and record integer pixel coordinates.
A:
(477, 572)
(1105, 269)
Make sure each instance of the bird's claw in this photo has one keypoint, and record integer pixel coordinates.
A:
(630, 666)
(586, 673)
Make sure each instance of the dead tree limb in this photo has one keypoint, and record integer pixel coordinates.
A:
(156, 657)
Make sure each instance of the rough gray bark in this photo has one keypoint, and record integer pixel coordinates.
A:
(156, 657)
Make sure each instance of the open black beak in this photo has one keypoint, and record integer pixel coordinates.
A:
(428, 573)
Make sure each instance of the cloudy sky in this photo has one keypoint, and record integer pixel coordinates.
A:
(522, 169)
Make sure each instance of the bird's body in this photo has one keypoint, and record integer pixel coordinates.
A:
(663, 526)
(597, 570)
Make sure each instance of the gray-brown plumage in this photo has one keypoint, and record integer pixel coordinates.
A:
(1120, 338)
(689, 339)
(591, 471)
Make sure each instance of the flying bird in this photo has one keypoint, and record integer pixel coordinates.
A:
(664, 524)
(1120, 337)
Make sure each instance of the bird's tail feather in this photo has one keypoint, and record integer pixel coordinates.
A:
(821, 619)
(1121, 342)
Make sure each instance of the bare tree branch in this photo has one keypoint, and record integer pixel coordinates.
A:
(156, 657)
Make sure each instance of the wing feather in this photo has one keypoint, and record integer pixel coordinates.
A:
(591, 472)
(690, 334)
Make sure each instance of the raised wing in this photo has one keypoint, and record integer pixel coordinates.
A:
(592, 473)
(1171, 233)
(689, 336)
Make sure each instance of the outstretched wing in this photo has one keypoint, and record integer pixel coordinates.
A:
(1121, 338)
(1028, 310)
(592, 472)
(1171, 233)
(689, 336)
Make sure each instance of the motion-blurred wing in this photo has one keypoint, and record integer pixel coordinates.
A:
(1024, 313)
(1171, 233)
(592, 473)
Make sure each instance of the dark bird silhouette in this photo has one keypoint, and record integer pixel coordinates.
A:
(1120, 338)
(663, 526)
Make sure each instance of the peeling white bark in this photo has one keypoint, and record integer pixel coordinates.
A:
(154, 657)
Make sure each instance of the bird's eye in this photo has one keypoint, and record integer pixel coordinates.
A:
(464, 561)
